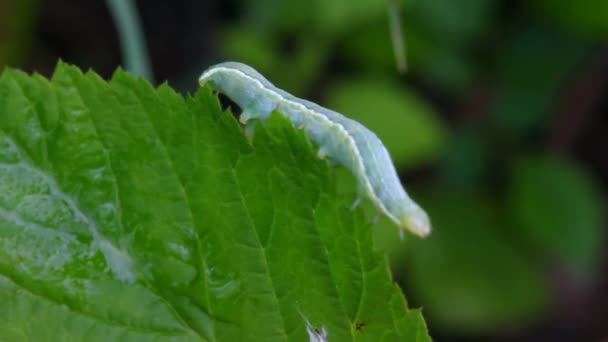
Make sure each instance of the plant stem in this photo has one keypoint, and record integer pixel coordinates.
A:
(133, 46)
(394, 19)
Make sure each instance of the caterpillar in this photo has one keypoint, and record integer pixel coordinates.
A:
(340, 139)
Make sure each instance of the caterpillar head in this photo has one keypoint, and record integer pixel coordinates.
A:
(417, 222)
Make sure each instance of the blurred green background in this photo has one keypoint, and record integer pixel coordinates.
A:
(499, 129)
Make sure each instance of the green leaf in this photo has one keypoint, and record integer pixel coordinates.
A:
(557, 207)
(583, 16)
(410, 129)
(468, 158)
(470, 276)
(438, 35)
(330, 18)
(131, 213)
(534, 67)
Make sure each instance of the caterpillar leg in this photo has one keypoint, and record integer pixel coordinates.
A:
(246, 115)
(323, 152)
(250, 129)
(258, 108)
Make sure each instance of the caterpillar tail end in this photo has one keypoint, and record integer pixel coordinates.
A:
(417, 222)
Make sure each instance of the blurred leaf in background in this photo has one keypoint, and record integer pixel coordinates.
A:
(468, 160)
(532, 69)
(330, 18)
(17, 22)
(557, 208)
(294, 36)
(439, 37)
(469, 277)
(583, 16)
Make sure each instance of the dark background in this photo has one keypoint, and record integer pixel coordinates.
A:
(499, 129)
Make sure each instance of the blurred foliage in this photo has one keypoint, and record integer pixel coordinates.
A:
(330, 18)
(468, 159)
(534, 65)
(469, 277)
(17, 20)
(583, 16)
(556, 207)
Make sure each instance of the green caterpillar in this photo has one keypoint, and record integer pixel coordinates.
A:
(339, 138)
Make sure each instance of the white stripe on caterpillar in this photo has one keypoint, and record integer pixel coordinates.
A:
(340, 139)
